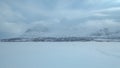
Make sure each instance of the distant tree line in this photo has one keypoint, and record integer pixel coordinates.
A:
(62, 39)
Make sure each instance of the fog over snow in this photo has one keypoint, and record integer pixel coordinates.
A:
(60, 17)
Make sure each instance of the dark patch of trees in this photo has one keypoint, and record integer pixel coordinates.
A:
(48, 39)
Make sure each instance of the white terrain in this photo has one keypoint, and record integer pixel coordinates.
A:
(59, 55)
(59, 33)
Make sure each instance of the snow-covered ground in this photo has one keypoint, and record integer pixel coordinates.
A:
(60, 55)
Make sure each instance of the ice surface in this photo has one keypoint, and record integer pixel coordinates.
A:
(60, 55)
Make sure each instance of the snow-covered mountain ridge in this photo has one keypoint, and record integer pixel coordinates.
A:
(42, 33)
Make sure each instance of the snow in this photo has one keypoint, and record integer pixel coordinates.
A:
(60, 55)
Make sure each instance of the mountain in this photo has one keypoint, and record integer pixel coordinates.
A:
(34, 32)
(106, 33)
(43, 33)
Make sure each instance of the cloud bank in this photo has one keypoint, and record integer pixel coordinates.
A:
(61, 17)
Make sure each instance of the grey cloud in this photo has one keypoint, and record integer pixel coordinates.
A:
(59, 16)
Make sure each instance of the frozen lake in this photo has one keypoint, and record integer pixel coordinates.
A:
(60, 55)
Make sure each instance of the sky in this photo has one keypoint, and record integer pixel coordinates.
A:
(60, 17)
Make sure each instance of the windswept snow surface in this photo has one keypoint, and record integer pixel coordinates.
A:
(60, 55)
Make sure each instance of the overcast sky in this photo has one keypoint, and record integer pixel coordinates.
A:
(62, 16)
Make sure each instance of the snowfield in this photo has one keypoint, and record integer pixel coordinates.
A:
(59, 55)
